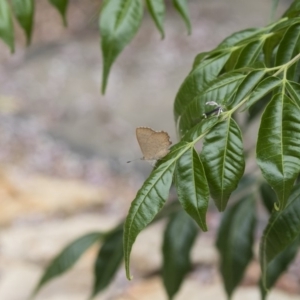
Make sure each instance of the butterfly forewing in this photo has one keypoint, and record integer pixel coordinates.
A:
(154, 144)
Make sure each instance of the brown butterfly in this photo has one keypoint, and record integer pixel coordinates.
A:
(154, 144)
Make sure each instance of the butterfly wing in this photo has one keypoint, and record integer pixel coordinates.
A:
(154, 145)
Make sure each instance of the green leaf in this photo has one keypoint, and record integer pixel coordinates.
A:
(268, 196)
(282, 230)
(294, 91)
(157, 10)
(61, 6)
(235, 241)
(263, 88)
(287, 45)
(293, 10)
(223, 160)
(220, 90)
(274, 8)
(192, 186)
(278, 145)
(258, 107)
(6, 25)
(247, 85)
(278, 266)
(108, 261)
(197, 80)
(119, 22)
(68, 257)
(181, 7)
(24, 11)
(178, 240)
(249, 54)
(150, 199)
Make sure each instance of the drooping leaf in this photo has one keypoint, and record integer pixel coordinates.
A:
(178, 240)
(223, 160)
(278, 266)
(287, 45)
(277, 145)
(281, 231)
(192, 186)
(246, 86)
(61, 6)
(220, 90)
(263, 88)
(157, 10)
(182, 8)
(268, 196)
(150, 199)
(24, 11)
(119, 22)
(108, 260)
(6, 25)
(235, 241)
(68, 257)
(197, 80)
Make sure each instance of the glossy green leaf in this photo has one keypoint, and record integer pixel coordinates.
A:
(6, 25)
(192, 186)
(24, 11)
(278, 147)
(268, 196)
(281, 231)
(246, 86)
(249, 54)
(239, 37)
(233, 59)
(157, 10)
(119, 22)
(200, 129)
(178, 240)
(235, 241)
(182, 8)
(223, 160)
(68, 257)
(108, 260)
(61, 6)
(287, 45)
(294, 91)
(278, 266)
(197, 80)
(220, 90)
(258, 107)
(263, 88)
(150, 199)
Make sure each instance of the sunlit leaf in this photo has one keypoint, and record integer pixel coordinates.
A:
(119, 22)
(197, 80)
(150, 199)
(263, 88)
(223, 160)
(178, 240)
(24, 11)
(235, 241)
(278, 145)
(192, 187)
(6, 25)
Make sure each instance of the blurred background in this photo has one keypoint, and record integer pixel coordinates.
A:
(64, 147)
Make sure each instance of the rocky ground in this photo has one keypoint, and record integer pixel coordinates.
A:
(64, 149)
